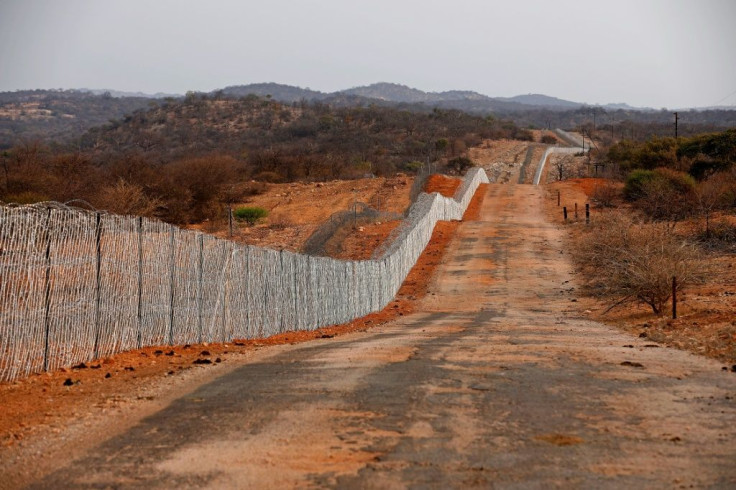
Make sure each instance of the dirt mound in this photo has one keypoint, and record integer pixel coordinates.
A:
(443, 184)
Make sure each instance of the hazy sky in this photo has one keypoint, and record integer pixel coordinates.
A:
(657, 53)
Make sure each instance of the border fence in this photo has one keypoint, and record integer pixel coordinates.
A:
(77, 285)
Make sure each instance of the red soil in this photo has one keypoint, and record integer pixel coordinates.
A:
(442, 184)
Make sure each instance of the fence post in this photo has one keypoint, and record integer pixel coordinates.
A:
(558, 198)
(199, 288)
(576, 211)
(140, 282)
(230, 219)
(98, 267)
(227, 272)
(564, 212)
(47, 294)
(355, 210)
(296, 296)
(674, 297)
(171, 296)
(587, 213)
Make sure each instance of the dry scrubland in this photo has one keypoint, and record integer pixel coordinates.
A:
(705, 325)
(296, 210)
(706, 322)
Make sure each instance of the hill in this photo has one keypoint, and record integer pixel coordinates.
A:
(59, 114)
(201, 124)
(184, 159)
(63, 115)
(277, 91)
(542, 101)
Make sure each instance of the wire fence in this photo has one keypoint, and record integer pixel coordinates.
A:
(359, 212)
(78, 285)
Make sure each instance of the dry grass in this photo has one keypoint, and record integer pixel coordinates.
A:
(706, 322)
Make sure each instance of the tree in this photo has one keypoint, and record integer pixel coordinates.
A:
(561, 165)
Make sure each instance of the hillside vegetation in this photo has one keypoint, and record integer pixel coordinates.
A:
(62, 115)
(59, 115)
(185, 160)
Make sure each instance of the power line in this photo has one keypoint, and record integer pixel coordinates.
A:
(726, 97)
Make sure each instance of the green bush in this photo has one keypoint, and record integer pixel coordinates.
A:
(460, 164)
(636, 182)
(249, 214)
(663, 193)
(413, 166)
(710, 153)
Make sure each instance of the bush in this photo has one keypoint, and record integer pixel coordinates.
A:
(460, 164)
(413, 166)
(710, 153)
(28, 197)
(268, 176)
(606, 194)
(670, 195)
(548, 139)
(126, 198)
(250, 214)
(636, 182)
(635, 262)
(663, 194)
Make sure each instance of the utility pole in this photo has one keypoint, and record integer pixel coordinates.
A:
(676, 118)
(594, 113)
(612, 121)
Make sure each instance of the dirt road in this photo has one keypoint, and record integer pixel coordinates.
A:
(499, 382)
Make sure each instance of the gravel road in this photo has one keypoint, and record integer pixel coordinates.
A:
(499, 382)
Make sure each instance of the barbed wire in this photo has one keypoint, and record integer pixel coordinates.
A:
(77, 284)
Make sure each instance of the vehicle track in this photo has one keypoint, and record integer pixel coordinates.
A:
(498, 381)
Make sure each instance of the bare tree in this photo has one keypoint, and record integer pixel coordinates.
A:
(561, 164)
(629, 261)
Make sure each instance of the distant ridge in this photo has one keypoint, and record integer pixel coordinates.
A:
(401, 93)
(280, 92)
(542, 100)
(384, 92)
(120, 93)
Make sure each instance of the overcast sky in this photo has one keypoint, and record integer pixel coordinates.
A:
(655, 53)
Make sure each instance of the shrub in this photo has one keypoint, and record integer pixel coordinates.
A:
(605, 195)
(548, 139)
(126, 198)
(28, 197)
(254, 188)
(250, 214)
(635, 262)
(460, 164)
(669, 195)
(268, 176)
(710, 153)
(635, 183)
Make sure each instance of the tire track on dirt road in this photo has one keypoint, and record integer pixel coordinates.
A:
(498, 381)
